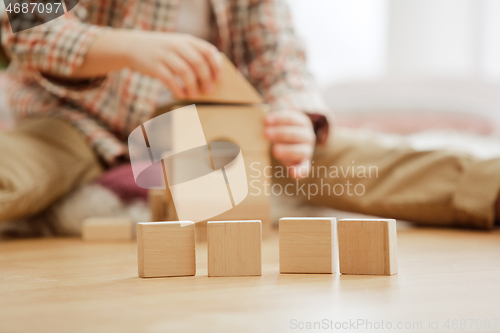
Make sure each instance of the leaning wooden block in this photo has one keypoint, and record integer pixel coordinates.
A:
(166, 249)
(308, 245)
(107, 228)
(157, 204)
(234, 248)
(368, 246)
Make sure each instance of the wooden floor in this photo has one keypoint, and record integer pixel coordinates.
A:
(447, 278)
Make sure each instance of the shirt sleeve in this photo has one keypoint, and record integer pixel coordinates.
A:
(57, 47)
(276, 60)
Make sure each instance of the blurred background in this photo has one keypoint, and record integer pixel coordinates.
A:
(374, 39)
(404, 66)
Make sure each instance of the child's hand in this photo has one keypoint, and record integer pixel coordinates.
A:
(185, 64)
(293, 139)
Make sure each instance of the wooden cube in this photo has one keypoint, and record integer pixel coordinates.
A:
(234, 248)
(107, 229)
(166, 249)
(368, 246)
(240, 124)
(244, 126)
(235, 113)
(308, 245)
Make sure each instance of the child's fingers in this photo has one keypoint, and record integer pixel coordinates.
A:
(199, 65)
(301, 170)
(168, 79)
(290, 134)
(212, 55)
(287, 118)
(291, 154)
(182, 69)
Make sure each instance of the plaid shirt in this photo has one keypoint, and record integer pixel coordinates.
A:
(257, 35)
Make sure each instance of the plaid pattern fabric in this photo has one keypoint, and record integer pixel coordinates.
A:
(257, 36)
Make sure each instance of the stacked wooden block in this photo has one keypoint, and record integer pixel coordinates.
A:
(306, 246)
(158, 204)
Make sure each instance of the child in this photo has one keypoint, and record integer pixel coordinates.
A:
(82, 82)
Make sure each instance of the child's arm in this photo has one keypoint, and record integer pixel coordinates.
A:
(164, 56)
(68, 48)
(56, 48)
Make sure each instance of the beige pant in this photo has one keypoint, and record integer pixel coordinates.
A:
(40, 161)
(438, 188)
(43, 159)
